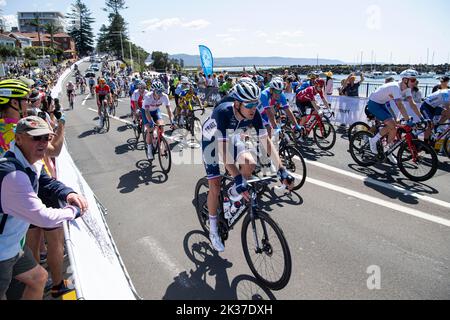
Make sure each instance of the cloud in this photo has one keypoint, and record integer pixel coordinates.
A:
(374, 18)
(165, 24)
(235, 30)
(229, 41)
(10, 20)
(2, 3)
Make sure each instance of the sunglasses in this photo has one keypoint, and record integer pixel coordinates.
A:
(250, 105)
(413, 80)
(45, 138)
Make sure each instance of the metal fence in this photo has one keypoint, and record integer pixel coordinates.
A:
(366, 89)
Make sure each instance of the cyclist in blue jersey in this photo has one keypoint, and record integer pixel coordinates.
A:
(234, 117)
(274, 97)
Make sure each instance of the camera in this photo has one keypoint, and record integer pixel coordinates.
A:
(42, 115)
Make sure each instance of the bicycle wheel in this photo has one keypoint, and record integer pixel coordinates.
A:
(293, 161)
(164, 155)
(360, 149)
(196, 129)
(325, 135)
(357, 126)
(269, 260)
(201, 203)
(137, 129)
(447, 147)
(419, 163)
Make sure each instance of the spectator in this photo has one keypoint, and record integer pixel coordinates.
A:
(329, 83)
(21, 178)
(417, 94)
(443, 85)
(209, 81)
(226, 87)
(215, 81)
(201, 82)
(351, 88)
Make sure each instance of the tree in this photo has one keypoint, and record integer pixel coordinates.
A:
(160, 60)
(80, 27)
(52, 29)
(114, 6)
(102, 40)
(36, 22)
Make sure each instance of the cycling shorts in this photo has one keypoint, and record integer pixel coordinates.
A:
(380, 111)
(69, 92)
(156, 116)
(430, 112)
(100, 99)
(302, 106)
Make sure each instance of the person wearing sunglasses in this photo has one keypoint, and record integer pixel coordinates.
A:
(153, 101)
(137, 99)
(22, 178)
(408, 83)
(273, 97)
(377, 105)
(235, 116)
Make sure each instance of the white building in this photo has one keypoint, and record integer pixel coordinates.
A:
(7, 41)
(24, 19)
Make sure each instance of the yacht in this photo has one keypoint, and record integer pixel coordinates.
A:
(375, 75)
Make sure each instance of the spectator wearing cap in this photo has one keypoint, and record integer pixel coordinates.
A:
(351, 88)
(35, 102)
(22, 177)
(443, 85)
(329, 83)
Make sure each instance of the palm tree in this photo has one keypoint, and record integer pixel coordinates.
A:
(36, 22)
(51, 29)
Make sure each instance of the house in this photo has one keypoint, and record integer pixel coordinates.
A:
(21, 41)
(7, 41)
(61, 41)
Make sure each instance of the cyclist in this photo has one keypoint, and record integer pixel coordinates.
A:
(274, 97)
(151, 111)
(91, 84)
(307, 99)
(111, 82)
(102, 92)
(221, 136)
(137, 99)
(377, 107)
(187, 97)
(70, 87)
(435, 105)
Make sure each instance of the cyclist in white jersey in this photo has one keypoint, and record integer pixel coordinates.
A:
(151, 111)
(137, 100)
(436, 105)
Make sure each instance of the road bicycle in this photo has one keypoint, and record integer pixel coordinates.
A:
(265, 247)
(415, 159)
(319, 123)
(160, 147)
(104, 117)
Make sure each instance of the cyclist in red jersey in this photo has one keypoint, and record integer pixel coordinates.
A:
(102, 92)
(307, 99)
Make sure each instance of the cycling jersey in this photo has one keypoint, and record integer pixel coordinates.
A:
(137, 98)
(224, 126)
(438, 99)
(91, 82)
(102, 91)
(387, 92)
(151, 104)
(309, 94)
(303, 86)
(70, 86)
(267, 101)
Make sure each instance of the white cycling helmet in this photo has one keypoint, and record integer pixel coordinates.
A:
(158, 86)
(246, 91)
(184, 80)
(277, 84)
(246, 79)
(410, 73)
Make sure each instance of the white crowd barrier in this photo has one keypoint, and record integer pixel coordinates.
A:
(97, 268)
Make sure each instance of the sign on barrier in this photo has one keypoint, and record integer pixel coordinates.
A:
(209, 95)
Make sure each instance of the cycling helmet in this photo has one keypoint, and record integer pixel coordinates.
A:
(277, 84)
(12, 89)
(102, 81)
(158, 86)
(246, 91)
(319, 82)
(184, 80)
(260, 78)
(246, 80)
(408, 74)
(142, 84)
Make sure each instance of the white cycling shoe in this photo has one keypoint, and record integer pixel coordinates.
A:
(150, 156)
(216, 242)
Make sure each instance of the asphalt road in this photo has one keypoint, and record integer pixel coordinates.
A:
(342, 225)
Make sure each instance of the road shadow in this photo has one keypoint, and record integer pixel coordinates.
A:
(193, 284)
(314, 153)
(271, 198)
(87, 133)
(144, 175)
(124, 148)
(123, 128)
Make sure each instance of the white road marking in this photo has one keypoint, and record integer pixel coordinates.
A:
(380, 184)
(84, 101)
(380, 202)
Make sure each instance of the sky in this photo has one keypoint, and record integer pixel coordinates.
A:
(409, 31)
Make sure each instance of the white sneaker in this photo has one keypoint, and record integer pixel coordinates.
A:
(373, 145)
(150, 153)
(216, 242)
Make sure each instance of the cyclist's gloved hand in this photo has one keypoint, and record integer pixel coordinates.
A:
(241, 184)
(410, 122)
(284, 175)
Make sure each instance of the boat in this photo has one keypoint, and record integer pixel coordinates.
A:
(426, 75)
(375, 75)
(390, 73)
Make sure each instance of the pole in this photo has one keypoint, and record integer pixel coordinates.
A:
(121, 45)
